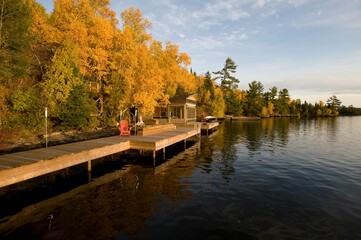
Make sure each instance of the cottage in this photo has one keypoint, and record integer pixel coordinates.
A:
(180, 110)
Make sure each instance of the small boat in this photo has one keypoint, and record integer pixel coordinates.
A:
(210, 119)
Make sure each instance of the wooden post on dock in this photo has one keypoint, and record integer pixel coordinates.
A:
(163, 153)
(46, 127)
(153, 158)
(89, 170)
(185, 144)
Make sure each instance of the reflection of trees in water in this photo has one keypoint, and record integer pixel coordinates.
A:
(273, 131)
(127, 204)
(277, 130)
(229, 135)
(104, 209)
(253, 136)
(327, 128)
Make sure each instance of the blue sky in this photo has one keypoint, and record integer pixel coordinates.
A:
(310, 47)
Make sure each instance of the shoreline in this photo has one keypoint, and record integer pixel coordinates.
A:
(57, 138)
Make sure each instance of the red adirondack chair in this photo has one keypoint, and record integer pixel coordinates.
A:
(124, 128)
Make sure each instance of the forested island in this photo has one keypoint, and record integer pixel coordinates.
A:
(85, 66)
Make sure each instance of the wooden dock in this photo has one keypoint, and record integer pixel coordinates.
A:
(21, 166)
(207, 126)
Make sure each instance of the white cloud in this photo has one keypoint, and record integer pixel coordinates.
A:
(208, 43)
(259, 4)
(223, 9)
(297, 3)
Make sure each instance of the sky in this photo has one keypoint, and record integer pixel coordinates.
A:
(310, 47)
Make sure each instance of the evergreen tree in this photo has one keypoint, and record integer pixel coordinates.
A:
(254, 99)
(283, 102)
(229, 85)
(228, 82)
(208, 84)
(77, 109)
(334, 104)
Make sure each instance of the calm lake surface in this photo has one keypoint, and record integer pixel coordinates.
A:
(271, 179)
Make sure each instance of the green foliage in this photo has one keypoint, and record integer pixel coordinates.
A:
(27, 110)
(255, 101)
(334, 104)
(77, 110)
(229, 85)
(228, 82)
(282, 103)
(234, 104)
(209, 84)
(61, 77)
(350, 111)
(15, 38)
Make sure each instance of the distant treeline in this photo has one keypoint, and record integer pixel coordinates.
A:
(255, 101)
(350, 111)
(85, 67)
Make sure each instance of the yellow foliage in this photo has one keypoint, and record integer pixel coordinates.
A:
(264, 112)
(133, 18)
(270, 108)
(241, 94)
(91, 26)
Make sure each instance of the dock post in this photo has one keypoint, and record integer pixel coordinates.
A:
(89, 166)
(154, 158)
(185, 144)
(163, 153)
(89, 171)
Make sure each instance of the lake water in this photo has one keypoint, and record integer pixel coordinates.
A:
(282, 178)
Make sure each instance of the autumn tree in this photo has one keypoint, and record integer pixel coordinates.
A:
(46, 40)
(174, 66)
(133, 19)
(62, 75)
(138, 75)
(91, 26)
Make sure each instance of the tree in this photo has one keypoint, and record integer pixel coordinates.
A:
(334, 104)
(77, 109)
(61, 77)
(209, 85)
(15, 39)
(254, 99)
(210, 97)
(46, 40)
(140, 77)
(133, 19)
(270, 100)
(91, 26)
(283, 101)
(174, 66)
(26, 109)
(228, 82)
